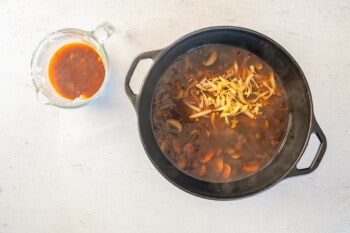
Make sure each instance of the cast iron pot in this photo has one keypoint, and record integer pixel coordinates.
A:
(302, 122)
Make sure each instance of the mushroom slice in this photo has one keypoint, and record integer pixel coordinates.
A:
(174, 126)
(210, 61)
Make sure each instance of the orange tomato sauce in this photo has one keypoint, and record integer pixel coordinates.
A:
(76, 70)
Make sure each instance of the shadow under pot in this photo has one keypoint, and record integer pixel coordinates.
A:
(225, 112)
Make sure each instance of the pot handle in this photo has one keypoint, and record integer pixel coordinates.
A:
(319, 154)
(146, 55)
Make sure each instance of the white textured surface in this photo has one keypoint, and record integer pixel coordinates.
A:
(85, 170)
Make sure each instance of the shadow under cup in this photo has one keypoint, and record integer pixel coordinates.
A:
(42, 56)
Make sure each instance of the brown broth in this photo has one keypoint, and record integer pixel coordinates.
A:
(209, 147)
(76, 70)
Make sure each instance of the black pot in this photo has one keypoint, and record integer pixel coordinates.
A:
(301, 125)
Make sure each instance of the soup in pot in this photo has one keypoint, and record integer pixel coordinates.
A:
(219, 113)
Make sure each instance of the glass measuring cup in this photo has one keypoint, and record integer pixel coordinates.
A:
(45, 90)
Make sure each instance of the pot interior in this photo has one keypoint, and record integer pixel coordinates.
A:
(219, 113)
(299, 112)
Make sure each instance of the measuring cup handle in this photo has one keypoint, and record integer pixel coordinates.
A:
(103, 32)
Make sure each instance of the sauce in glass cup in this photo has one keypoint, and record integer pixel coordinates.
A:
(70, 67)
